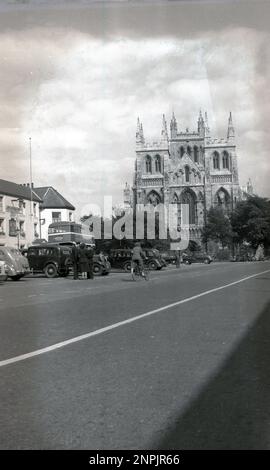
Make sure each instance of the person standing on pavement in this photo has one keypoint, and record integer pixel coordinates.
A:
(90, 254)
(177, 260)
(83, 260)
(75, 261)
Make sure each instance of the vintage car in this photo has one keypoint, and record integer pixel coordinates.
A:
(169, 256)
(17, 264)
(3, 271)
(155, 260)
(52, 260)
(56, 260)
(101, 264)
(120, 258)
(196, 257)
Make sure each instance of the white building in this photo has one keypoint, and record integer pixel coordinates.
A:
(54, 208)
(19, 214)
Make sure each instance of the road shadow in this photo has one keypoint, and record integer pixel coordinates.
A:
(233, 409)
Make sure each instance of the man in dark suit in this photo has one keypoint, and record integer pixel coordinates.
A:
(90, 256)
(75, 261)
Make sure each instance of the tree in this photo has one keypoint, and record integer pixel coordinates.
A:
(251, 222)
(217, 227)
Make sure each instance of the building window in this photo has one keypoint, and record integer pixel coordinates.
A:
(70, 216)
(189, 198)
(148, 164)
(35, 209)
(196, 154)
(157, 164)
(21, 228)
(189, 150)
(187, 174)
(21, 206)
(12, 228)
(182, 151)
(2, 227)
(56, 217)
(225, 160)
(36, 230)
(216, 161)
(1, 203)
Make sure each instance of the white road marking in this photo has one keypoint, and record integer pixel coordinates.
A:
(76, 339)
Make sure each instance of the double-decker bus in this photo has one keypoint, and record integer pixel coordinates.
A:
(62, 232)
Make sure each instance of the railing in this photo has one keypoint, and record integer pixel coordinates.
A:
(221, 179)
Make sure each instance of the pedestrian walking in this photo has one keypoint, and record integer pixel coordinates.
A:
(75, 261)
(83, 260)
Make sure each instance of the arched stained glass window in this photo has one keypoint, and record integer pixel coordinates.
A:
(216, 160)
(225, 160)
(148, 164)
(157, 164)
(187, 177)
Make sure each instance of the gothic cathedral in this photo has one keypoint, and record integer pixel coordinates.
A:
(186, 167)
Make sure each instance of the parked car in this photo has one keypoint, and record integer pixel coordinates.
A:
(17, 264)
(101, 266)
(52, 260)
(3, 271)
(55, 260)
(169, 256)
(196, 257)
(120, 258)
(154, 259)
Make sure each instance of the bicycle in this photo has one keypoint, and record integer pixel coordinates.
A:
(138, 273)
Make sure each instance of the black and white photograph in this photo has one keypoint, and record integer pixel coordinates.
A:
(134, 227)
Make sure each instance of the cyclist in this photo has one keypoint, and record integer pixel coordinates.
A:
(137, 257)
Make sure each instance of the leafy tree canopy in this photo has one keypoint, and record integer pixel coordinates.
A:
(251, 221)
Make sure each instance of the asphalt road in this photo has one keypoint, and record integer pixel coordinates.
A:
(179, 362)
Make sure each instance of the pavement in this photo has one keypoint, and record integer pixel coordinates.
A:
(178, 362)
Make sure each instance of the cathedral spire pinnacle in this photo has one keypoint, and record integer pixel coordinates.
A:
(139, 133)
(142, 135)
(201, 124)
(173, 126)
(207, 129)
(230, 133)
(164, 132)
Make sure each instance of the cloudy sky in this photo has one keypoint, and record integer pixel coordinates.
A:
(74, 76)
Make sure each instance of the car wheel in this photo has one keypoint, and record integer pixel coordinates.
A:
(152, 265)
(127, 267)
(187, 262)
(206, 261)
(50, 271)
(97, 269)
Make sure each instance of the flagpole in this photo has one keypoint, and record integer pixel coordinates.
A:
(31, 184)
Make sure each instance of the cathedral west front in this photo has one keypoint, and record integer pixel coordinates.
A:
(186, 167)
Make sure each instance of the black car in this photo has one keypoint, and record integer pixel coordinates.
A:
(154, 259)
(196, 257)
(169, 256)
(121, 259)
(52, 260)
(56, 260)
(101, 265)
